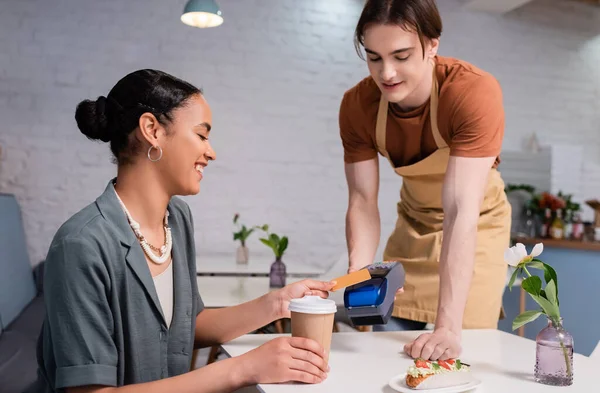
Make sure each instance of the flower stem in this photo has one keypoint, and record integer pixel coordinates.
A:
(562, 345)
(558, 326)
(526, 271)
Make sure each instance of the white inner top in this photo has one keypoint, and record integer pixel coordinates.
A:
(164, 289)
(313, 305)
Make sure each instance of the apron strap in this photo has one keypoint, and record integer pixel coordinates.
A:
(381, 128)
(433, 112)
(381, 125)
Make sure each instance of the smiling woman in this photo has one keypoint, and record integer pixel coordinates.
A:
(123, 308)
(439, 121)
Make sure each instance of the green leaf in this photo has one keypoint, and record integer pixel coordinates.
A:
(526, 317)
(458, 364)
(283, 245)
(536, 264)
(265, 228)
(237, 236)
(532, 285)
(246, 232)
(274, 238)
(435, 365)
(549, 272)
(268, 243)
(513, 278)
(551, 294)
(550, 309)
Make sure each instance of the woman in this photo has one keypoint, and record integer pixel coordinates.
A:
(439, 121)
(123, 309)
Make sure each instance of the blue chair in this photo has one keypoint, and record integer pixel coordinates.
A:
(21, 302)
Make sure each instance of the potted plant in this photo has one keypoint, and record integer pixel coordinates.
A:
(278, 244)
(554, 345)
(242, 253)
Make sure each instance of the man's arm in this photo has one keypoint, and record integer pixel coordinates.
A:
(462, 196)
(363, 225)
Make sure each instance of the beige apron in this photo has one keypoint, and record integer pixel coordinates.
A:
(417, 238)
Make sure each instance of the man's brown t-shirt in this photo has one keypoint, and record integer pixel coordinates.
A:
(470, 118)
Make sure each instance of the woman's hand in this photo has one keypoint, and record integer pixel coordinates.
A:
(298, 290)
(284, 359)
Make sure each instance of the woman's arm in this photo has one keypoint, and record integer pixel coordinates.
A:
(216, 326)
(222, 376)
(219, 325)
(280, 360)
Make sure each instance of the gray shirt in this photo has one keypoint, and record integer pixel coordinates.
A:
(104, 324)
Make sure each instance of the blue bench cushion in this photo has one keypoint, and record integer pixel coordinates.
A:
(18, 364)
(17, 287)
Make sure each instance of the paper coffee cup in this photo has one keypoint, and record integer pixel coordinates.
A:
(312, 317)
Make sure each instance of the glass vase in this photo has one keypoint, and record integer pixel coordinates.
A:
(277, 274)
(554, 355)
(242, 255)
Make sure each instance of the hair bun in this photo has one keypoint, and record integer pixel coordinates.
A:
(91, 119)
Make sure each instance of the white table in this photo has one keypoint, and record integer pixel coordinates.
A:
(365, 362)
(224, 264)
(227, 291)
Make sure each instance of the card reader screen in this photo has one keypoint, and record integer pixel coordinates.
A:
(381, 269)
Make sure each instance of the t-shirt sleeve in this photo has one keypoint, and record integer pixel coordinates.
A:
(358, 144)
(478, 120)
(77, 288)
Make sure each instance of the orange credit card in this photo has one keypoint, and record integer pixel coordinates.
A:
(351, 279)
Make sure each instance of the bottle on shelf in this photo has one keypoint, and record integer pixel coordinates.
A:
(578, 228)
(568, 224)
(529, 227)
(557, 228)
(545, 229)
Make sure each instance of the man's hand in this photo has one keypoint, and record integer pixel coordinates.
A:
(441, 344)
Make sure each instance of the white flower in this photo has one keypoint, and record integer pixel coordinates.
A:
(518, 254)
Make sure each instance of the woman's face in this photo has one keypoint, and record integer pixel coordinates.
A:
(396, 62)
(187, 150)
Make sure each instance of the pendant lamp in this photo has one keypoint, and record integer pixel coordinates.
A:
(202, 14)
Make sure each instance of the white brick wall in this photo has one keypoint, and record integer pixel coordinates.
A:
(274, 74)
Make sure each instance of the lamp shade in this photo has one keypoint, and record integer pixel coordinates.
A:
(202, 13)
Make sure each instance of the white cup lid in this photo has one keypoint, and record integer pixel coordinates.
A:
(313, 305)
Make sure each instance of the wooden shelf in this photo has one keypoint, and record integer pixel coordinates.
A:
(570, 244)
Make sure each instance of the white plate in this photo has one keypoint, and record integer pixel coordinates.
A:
(398, 383)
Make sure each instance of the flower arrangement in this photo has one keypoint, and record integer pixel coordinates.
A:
(546, 297)
(277, 243)
(539, 202)
(243, 232)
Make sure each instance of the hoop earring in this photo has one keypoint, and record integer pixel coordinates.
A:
(159, 153)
